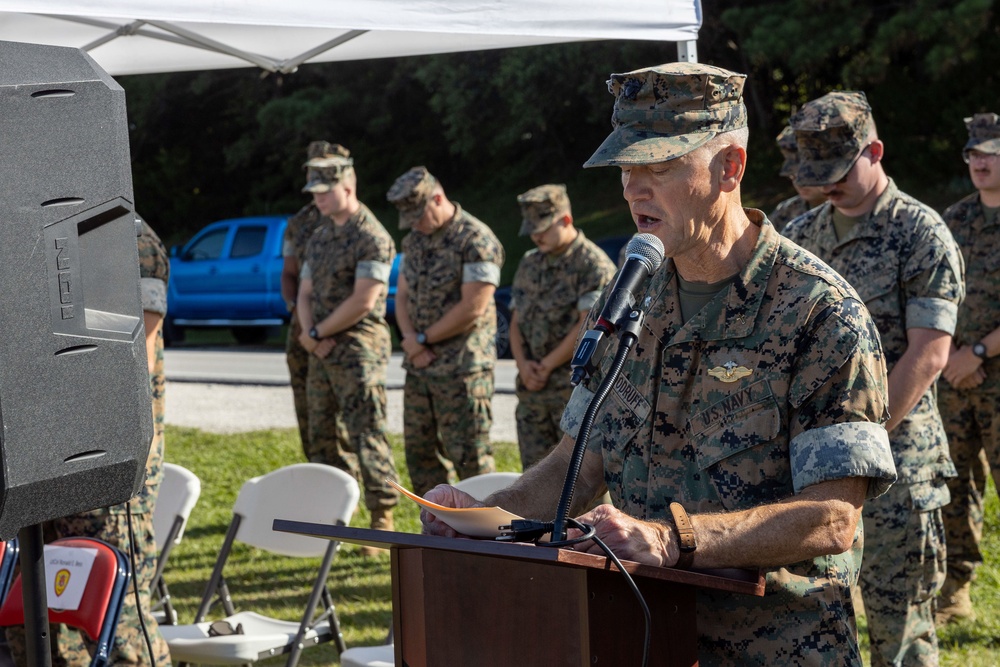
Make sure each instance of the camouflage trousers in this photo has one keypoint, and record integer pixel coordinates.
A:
(446, 425)
(538, 414)
(298, 372)
(901, 572)
(71, 647)
(973, 430)
(356, 398)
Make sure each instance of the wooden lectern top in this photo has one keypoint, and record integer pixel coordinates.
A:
(733, 580)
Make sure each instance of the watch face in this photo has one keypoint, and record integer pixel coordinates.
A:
(979, 350)
(421, 338)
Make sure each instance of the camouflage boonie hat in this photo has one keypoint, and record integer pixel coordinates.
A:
(789, 151)
(410, 193)
(831, 132)
(984, 133)
(542, 206)
(667, 111)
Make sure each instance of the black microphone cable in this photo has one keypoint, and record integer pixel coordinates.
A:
(135, 584)
(522, 530)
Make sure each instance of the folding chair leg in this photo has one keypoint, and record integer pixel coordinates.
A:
(319, 592)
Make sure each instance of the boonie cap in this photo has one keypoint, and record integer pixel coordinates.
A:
(410, 193)
(830, 133)
(542, 206)
(667, 111)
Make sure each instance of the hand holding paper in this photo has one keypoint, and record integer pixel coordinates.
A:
(477, 521)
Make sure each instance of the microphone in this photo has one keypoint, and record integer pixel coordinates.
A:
(644, 254)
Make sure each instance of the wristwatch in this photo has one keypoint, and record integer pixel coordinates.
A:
(421, 338)
(979, 350)
(314, 334)
(685, 536)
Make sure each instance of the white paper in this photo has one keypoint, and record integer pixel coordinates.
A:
(67, 570)
(471, 521)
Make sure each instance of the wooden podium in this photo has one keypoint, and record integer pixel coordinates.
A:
(479, 603)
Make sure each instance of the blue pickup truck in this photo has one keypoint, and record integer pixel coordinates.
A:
(229, 275)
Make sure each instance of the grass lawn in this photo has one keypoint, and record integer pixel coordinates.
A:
(361, 587)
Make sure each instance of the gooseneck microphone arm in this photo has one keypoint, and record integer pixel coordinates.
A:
(627, 337)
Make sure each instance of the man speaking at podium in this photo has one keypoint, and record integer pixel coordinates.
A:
(746, 429)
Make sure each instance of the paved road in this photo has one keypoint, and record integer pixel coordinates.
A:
(224, 391)
(267, 367)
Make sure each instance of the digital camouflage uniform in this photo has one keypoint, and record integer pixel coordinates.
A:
(775, 385)
(908, 271)
(971, 415)
(548, 293)
(349, 383)
(793, 207)
(71, 647)
(300, 228)
(788, 210)
(298, 231)
(448, 406)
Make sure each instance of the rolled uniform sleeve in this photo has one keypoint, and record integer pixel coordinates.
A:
(154, 271)
(587, 300)
(482, 259)
(837, 398)
(305, 273)
(933, 282)
(154, 295)
(375, 258)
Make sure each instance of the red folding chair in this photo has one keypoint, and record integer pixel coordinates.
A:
(9, 551)
(102, 600)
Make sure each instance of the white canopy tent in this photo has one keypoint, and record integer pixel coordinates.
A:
(144, 36)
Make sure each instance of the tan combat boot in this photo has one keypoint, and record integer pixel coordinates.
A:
(954, 603)
(381, 520)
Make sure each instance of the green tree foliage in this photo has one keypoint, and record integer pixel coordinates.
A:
(924, 65)
(491, 124)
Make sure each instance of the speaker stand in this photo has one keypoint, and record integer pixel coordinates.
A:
(36, 609)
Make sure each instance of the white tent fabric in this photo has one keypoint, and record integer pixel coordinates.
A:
(143, 36)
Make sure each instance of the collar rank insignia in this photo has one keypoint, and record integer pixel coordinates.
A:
(730, 372)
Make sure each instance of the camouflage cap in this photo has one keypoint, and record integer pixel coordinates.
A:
(410, 193)
(831, 132)
(325, 154)
(542, 206)
(984, 133)
(667, 111)
(322, 179)
(789, 151)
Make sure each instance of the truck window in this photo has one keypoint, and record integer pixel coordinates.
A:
(208, 246)
(249, 242)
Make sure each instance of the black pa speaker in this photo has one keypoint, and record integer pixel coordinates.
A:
(75, 411)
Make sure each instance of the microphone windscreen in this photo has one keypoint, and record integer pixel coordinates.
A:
(647, 247)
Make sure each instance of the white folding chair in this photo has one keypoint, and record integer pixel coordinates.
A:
(477, 486)
(308, 492)
(179, 492)
(480, 486)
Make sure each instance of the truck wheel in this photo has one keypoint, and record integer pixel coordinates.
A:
(250, 335)
(172, 334)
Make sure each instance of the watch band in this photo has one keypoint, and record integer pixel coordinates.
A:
(979, 349)
(685, 536)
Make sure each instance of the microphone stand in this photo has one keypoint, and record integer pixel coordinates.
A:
(33, 595)
(628, 334)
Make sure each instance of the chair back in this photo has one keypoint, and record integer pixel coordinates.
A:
(179, 492)
(310, 492)
(101, 604)
(480, 486)
(9, 552)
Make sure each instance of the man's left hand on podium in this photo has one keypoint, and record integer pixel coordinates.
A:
(629, 538)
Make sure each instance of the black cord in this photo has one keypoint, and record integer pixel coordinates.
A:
(135, 583)
(525, 530)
